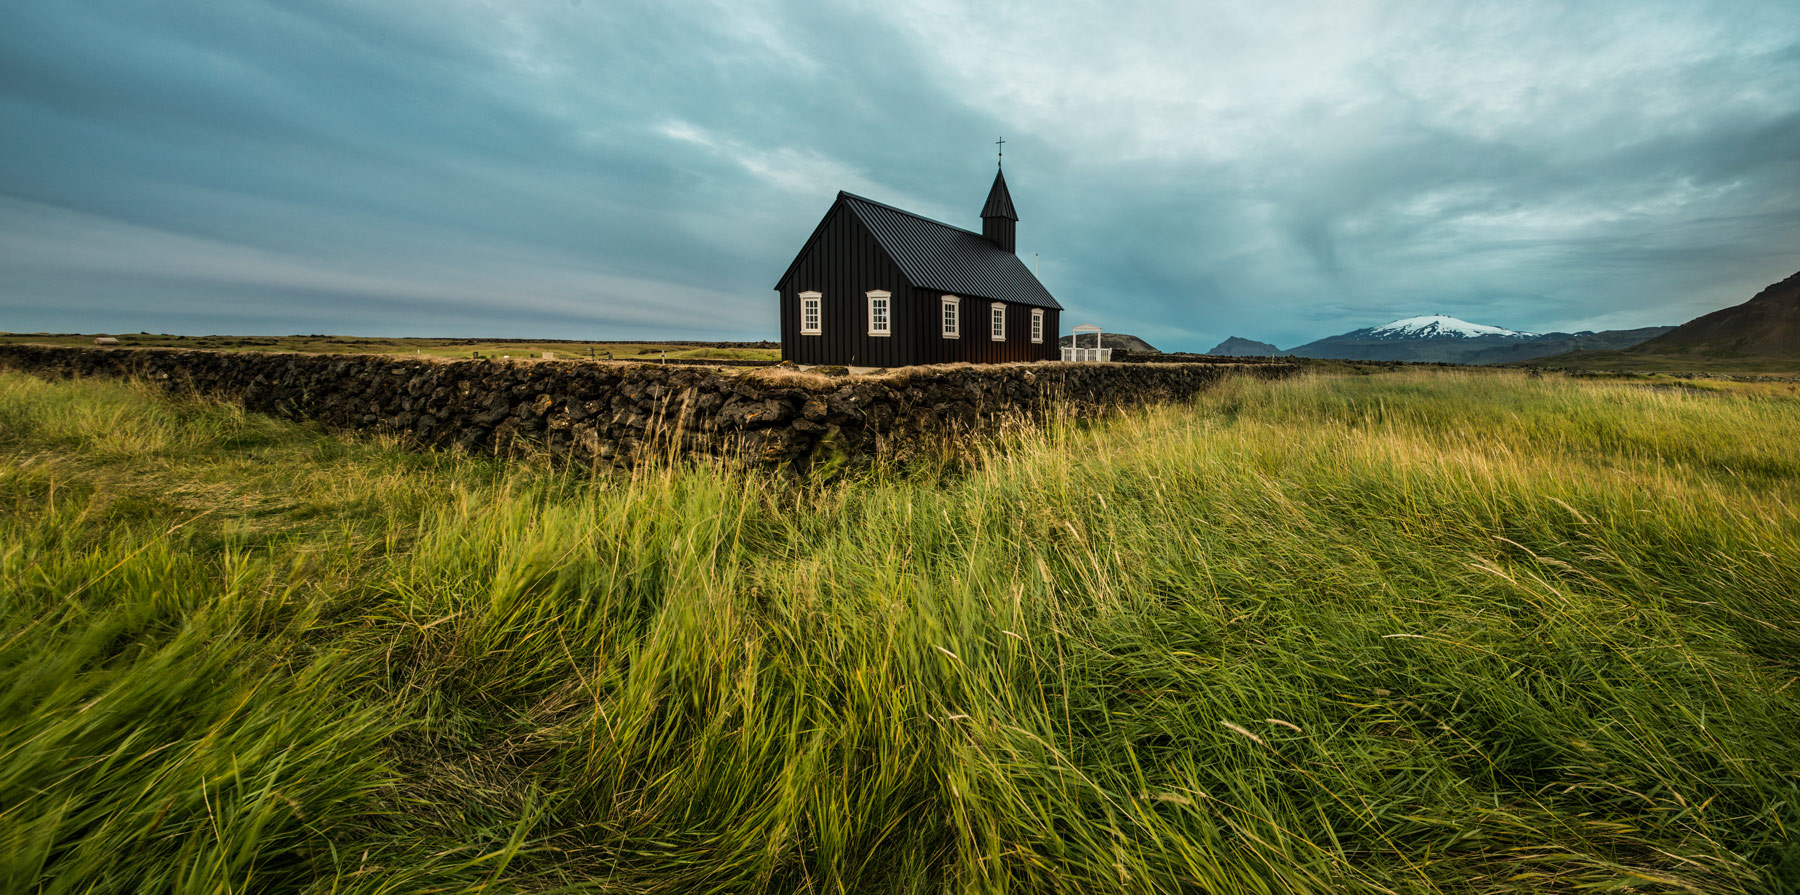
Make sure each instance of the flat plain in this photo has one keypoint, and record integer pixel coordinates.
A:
(1418, 631)
(560, 349)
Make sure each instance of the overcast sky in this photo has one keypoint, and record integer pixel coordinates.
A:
(616, 169)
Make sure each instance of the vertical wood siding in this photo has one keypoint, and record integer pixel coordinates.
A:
(926, 337)
(1003, 232)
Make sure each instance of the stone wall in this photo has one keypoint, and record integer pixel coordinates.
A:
(620, 413)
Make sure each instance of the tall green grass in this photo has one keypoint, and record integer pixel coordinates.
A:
(1405, 633)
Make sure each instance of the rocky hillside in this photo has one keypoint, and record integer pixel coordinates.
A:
(1115, 341)
(1236, 347)
(1768, 325)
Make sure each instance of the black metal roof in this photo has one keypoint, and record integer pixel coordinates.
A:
(938, 256)
(999, 201)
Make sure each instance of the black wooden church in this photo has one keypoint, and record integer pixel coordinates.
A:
(875, 286)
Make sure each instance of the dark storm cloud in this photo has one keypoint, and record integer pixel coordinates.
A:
(631, 170)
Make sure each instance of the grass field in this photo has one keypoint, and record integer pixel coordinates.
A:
(1409, 632)
(440, 348)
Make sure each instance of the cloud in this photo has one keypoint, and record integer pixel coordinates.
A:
(1281, 171)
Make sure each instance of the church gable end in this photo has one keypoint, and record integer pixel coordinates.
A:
(842, 263)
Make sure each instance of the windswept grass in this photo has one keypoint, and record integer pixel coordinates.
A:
(1418, 632)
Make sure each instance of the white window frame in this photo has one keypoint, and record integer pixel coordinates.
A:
(997, 321)
(814, 302)
(1037, 326)
(950, 317)
(885, 301)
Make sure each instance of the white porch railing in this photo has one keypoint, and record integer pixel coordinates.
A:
(1078, 354)
(1087, 355)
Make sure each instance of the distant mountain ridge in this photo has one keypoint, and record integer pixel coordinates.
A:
(1764, 330)
(1236, 347)
(1442, 339)
(1762, 334)
(1549, 344)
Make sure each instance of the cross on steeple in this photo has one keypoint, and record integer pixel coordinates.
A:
(1001, 157)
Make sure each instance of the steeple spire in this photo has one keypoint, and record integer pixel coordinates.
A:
(999, 222)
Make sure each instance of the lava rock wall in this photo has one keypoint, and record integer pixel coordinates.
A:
(623, 413)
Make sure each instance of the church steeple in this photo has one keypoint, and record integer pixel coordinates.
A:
(999, 222)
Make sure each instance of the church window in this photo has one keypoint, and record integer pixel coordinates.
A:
(1037, 325)
(952, 325)
(810, 315)
(997, 314)
(879, 322)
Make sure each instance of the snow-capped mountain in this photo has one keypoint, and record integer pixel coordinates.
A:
(1436, 326)
(1444, 339)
